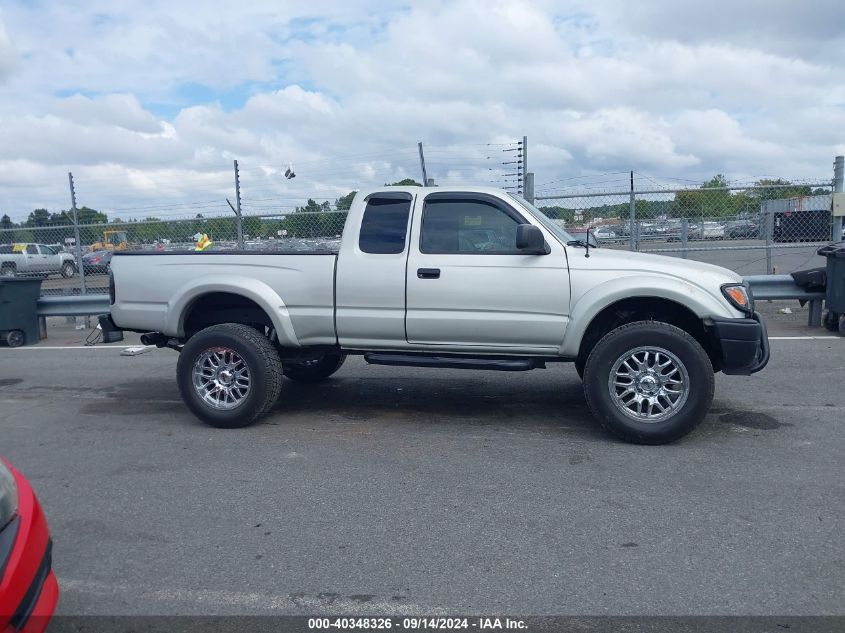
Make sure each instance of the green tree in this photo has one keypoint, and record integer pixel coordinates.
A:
(252, 226)
(310, 207)
(407, 182)
(86, 215)
(344, 202)
(782, 189)
(38, 217)
(6, 222)
(712, 199)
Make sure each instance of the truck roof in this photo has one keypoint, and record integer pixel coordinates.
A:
(414, 189)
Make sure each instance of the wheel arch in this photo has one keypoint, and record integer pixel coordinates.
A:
(235, 300)
(645, 308)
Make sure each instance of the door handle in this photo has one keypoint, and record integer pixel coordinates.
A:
(428, 273)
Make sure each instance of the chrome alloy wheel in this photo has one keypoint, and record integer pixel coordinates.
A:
(221, 378)
(648, 384)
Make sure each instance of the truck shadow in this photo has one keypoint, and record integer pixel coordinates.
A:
(539, 400)
(460, 399)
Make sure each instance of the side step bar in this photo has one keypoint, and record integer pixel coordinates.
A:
(454, 362)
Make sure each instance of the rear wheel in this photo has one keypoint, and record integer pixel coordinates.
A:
(15, 338)
(68, 270)
(314, 370)
(229, 375)
(649, 382)
(8, 270)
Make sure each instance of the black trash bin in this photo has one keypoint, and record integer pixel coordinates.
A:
(19, 311)
(835, 293)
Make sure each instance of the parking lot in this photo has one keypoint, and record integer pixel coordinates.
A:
(399, 490)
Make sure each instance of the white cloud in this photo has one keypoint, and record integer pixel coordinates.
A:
(153, 103)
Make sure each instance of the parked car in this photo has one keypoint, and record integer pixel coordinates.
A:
(645, 332)
(97, 262)
(741, 229)
(711, 231)
(604, 233)
(28, 587)
(24, 258)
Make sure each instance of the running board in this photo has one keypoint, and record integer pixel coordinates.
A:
(455, 362)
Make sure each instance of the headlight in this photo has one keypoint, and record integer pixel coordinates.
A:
(738, 296)
(8, 496)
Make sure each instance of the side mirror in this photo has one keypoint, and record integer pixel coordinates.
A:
(530, 239)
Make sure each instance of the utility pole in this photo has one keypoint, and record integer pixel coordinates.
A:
(238, 218)
(422, 165)
(82, 288)
(525, 168)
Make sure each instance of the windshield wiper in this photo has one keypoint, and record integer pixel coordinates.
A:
(583, 243)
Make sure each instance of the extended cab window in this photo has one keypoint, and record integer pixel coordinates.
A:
(460, 225)
(384, 225)
(31, 249)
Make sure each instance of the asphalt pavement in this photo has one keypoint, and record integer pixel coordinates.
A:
(402, 491)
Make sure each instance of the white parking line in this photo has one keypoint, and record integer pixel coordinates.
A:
(236, 600)
(804, 338)
(34, 348)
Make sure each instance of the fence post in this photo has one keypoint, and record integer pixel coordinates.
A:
(632, 213)
(524, 164)
(529, 187)
(76, 238)
(837, 224)
(238, 218)
(769, 222)
(684, 236)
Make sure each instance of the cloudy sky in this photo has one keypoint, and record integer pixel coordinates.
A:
(149, 102)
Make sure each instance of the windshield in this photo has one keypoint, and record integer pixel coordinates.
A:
(551, 225)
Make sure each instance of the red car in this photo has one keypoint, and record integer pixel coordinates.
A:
(28, 587)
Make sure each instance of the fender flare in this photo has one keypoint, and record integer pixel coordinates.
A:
(701, 303)
(263, 295)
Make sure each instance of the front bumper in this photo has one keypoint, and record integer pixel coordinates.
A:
(742, 343)
(28, 588)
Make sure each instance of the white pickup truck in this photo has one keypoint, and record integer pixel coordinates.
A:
(35, 259)
(470, 278)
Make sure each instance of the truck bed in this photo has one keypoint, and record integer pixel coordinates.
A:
(164, 285)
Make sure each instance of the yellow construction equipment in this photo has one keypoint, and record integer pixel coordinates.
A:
(112, 241)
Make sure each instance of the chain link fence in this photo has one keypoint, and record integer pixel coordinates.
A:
(49, 251)
(774, 228)
(752, 230)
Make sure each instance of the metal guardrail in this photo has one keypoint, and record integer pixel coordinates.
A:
(73, 305)
(780, 287)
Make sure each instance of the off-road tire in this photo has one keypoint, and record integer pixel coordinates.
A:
(643, 334)
(8, 270)
(261, 359)
(317, 371)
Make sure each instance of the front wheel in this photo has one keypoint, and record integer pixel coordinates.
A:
(228, 375)
(649, 382)
(314, 370)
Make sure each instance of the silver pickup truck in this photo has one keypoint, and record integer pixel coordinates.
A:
(470, 278)
(35, 259)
